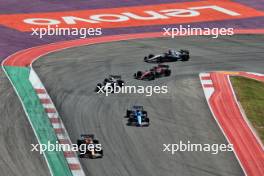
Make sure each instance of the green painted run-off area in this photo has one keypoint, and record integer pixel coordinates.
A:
(38, 118)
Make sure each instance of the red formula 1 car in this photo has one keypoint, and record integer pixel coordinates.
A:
(155, 72)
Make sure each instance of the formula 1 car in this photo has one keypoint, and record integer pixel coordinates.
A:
(110, 82)
(89, 147)
(155, 72)
(137, 116)
(169, 56)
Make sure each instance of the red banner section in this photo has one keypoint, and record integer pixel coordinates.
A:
(173, 13)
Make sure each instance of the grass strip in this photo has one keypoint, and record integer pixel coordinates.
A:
(250, 94)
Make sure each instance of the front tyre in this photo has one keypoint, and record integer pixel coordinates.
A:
(151, 77)
(128, 113)
(98, 86)
(150, 55)
(138, 75)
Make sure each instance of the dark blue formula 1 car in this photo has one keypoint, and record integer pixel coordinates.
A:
(169, 56)
(137, 116)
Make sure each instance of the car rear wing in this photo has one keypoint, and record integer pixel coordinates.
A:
(184, 51)
(115, 76)
(164, 66)
(138, 108)
(84, 136)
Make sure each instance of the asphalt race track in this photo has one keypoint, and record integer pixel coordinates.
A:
(70, 77)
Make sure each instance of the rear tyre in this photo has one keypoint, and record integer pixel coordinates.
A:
(129, 122)
(151, 77)
(120, 83)
(147, 120)
(102, 153)
(98, 86)
(128, 113)
(185, 57)
(81, 156)
(106, 81)
(167, 72)
(145, 113)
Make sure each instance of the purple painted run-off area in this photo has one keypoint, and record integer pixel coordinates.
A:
(12, 40)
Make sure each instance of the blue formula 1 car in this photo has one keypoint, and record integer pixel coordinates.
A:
(137, 116)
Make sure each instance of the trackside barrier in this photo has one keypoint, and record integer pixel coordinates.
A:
(38, 118)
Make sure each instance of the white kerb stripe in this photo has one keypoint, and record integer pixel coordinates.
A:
(43, 96)
(48, 106)
(208, 92)
(204, 74)
(56, 125)
(72, 160)
(207, 81)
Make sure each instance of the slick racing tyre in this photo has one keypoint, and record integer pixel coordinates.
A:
(150, 55)
(128, 113)
(167, 72)
(138, 74)
(151, 77)
(98, 86)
